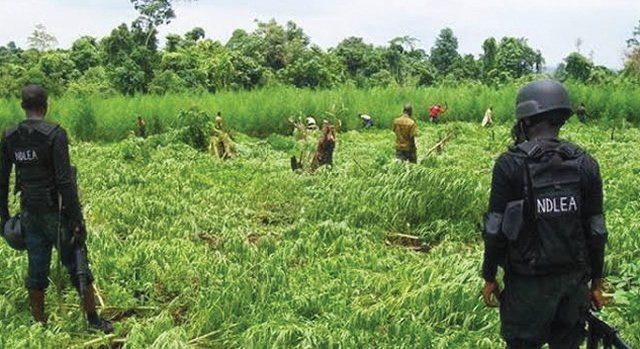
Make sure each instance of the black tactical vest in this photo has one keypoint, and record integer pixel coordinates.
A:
(30, 148)
(552, 238)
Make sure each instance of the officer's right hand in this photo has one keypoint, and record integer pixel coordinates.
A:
(491, 294)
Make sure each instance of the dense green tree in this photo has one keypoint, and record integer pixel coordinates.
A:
(10, 76)
(95, 81)
(10, 54)
(465, 68)
(360, 60)
(278, 45)
(577, 67)
(400, 59)
(382, 78)
(241, 41)
(424, 73)
(85, 53)
(185, 64)
(173, 42)
(445, 51)
(355, 55)
(488, 57)
(153, 13)
(515, 58)
(167, 82)
(129, 56)
(313, 70)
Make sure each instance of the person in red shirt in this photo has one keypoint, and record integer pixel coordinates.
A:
(435, 111)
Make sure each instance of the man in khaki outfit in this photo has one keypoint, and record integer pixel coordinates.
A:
(405, 129)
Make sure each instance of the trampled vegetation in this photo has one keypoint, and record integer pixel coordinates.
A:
(189, 250)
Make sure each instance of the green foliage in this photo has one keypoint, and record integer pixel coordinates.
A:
(445, 52)
(94, 82)
(85, 53)
(129, 56)
(197, 127)
(515, 58)
(84, 121)
(167, 82)
(578, 67)
(274, 55)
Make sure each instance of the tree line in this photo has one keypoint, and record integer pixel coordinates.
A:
(130, 61)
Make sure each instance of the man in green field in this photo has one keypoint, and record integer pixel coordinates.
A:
(221, 144)
(581, 112)
(51, 214)
(405, 129)
(545, 227)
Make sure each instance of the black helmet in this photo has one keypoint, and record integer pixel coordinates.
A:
(542, 96)
(34, 97)
(13, 233)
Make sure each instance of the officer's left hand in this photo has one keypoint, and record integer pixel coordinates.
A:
(598, 300)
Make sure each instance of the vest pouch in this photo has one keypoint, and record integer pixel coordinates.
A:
(513, 219)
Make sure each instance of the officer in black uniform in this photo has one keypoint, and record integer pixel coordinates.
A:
(545, 227)
(51, 214)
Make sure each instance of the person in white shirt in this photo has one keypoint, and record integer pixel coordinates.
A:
(367, 121)
(488, 117)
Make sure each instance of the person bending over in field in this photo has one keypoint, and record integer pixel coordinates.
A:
(435, 111)
(51, 213)
(405, 129)
(325, 147)
(367, 121)
(545, 227)
(221, 143)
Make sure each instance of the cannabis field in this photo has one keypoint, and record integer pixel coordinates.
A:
(263, 112)
(192, 251)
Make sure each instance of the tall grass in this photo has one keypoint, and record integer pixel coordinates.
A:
(263, 112)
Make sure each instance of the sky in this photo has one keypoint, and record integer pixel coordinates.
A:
(553, 26)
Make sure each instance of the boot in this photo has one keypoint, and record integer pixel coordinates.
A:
(89, 306)
(36, 301)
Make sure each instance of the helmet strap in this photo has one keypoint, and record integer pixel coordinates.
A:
(523, 130)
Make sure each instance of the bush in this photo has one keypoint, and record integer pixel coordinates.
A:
(197, 127)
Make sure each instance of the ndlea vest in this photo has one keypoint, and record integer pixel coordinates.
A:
(551, 237)
(29, 146)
